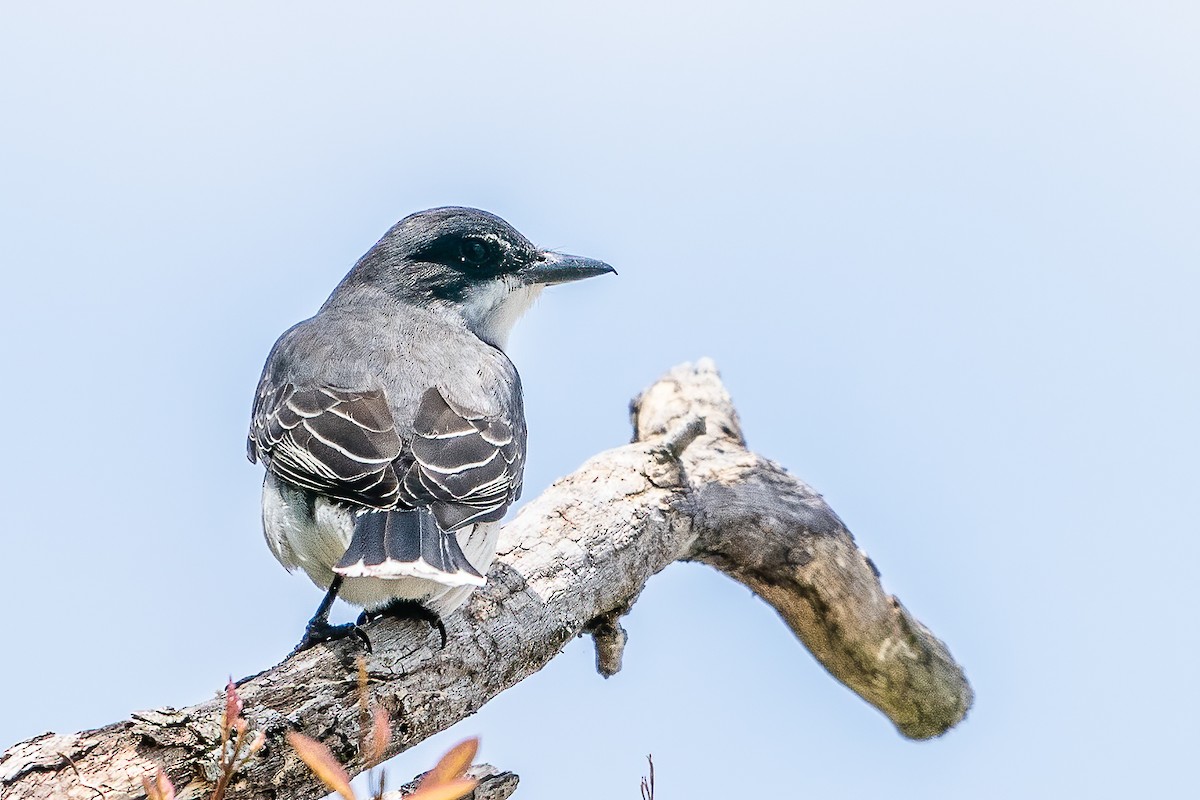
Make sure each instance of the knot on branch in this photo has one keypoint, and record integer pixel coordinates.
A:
(610, 639)
(683, 434)
(687, 391)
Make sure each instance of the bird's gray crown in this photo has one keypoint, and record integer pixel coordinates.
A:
(463, 263)
(440, 253)
(443, 253)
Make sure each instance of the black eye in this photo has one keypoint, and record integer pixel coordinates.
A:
(475, 252)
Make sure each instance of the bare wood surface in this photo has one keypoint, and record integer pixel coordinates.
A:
(571, 563)
(493, 784)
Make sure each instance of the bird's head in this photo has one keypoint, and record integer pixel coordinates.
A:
(465, 262)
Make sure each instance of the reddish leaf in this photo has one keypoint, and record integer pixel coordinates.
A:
(453, 764)
(160, 787)
(322, 763)
(381, 736)
(233, 707)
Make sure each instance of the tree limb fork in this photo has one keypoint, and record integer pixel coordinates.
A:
(572, 562)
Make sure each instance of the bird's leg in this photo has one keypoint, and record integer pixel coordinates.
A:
(320, 630)
(403, 608)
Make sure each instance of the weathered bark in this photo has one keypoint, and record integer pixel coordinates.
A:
(493, 784)
(571, 562)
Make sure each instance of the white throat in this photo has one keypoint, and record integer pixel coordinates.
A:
(491, 310)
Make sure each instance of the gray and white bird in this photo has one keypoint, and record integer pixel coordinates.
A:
(391, 424)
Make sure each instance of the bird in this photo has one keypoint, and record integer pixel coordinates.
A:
(391, 423)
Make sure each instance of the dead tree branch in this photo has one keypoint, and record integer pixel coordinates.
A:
(572, 562)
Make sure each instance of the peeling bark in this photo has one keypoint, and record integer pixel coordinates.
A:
(493, 784)
(572, 562)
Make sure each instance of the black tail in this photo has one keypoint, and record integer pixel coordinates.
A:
(405, 544)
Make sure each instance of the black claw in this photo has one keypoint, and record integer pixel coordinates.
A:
(361, 635)
(319, 631)
(402, 608)
(441, 627)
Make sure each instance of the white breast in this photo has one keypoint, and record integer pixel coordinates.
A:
(492, 309)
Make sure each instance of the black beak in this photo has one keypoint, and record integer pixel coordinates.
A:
(550, 268)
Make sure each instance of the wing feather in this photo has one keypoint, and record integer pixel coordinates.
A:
(466, 466)
(340, 443)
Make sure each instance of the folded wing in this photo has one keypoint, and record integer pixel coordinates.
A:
(456, 468)
(467, 466)
(339, 443)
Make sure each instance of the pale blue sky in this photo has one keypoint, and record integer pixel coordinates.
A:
(945, 254)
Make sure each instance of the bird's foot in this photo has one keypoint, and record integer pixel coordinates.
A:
(320, 630)
(403, 608)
